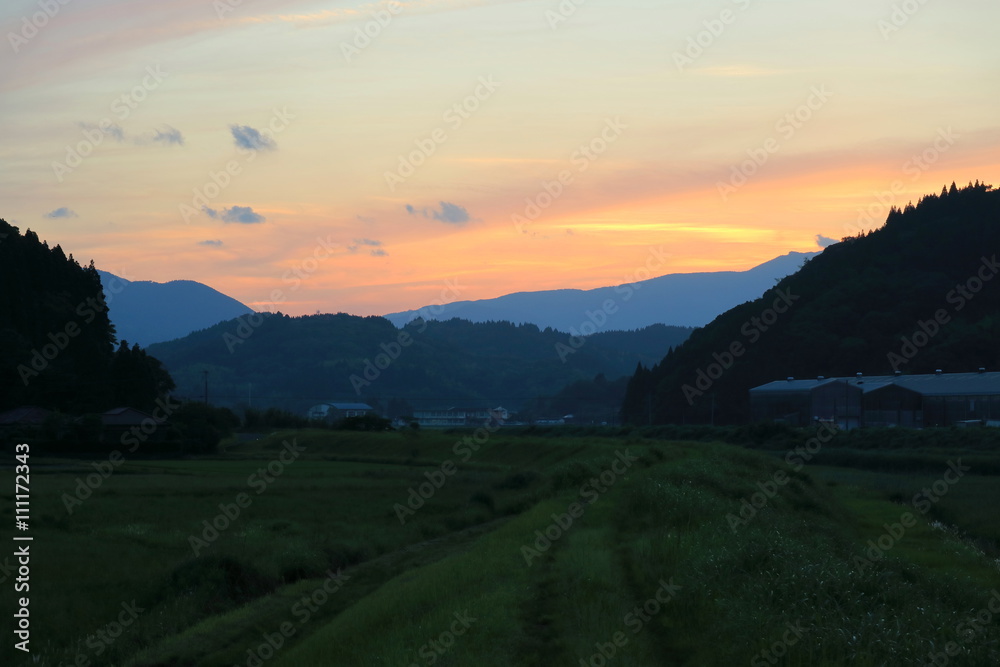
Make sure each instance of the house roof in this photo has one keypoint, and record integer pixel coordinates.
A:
(944, 384)
(28, 414)
(782, 386)
(347, 406)
(127, 417)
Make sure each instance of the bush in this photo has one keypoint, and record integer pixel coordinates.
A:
(200, 428)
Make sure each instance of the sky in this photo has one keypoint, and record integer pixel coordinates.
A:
(369, 158)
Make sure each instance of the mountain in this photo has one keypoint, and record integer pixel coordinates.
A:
(58, 345)
(146, 312)
(919, 294)
(296, 362)
(679, 299)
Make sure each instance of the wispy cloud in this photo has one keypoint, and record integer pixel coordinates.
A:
(211, 242)
(62, 212)
(169, 136)
(241, 214)
(371, 243)
(250, 138)
(452, 214)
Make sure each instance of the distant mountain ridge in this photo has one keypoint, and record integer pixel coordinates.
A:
(677, 299)
(147, 312)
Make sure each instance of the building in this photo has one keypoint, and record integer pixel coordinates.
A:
(803, 402)
(937, 399)
(460, 417)
(331, 412)
(23, 421)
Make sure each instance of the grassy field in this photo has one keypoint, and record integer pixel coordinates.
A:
(525, 551)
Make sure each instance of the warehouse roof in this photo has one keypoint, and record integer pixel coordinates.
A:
(936, 384)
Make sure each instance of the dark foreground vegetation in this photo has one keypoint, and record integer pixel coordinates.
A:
(318, 547)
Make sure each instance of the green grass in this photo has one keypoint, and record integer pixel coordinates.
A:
(665, 519)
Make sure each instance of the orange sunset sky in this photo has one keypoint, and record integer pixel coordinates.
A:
(265, 147)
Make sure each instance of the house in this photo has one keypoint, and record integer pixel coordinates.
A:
(461, 417)
(331, 412)
(27, 416)
(23, 421)
(937, 399)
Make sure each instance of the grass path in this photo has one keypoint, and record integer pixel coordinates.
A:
(223, 639)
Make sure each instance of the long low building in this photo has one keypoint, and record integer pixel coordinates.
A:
(460, 417)
(938, 399)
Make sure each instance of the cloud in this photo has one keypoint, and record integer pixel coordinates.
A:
(452, 214)
(113, 130)
(62, 212)
(211, 242)
(371, 243)
(247, 137)
(825, 241)
(379, 252)
(169, 136)
(241, 214)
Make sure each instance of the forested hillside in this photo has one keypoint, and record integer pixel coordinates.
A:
(919, 294)
(295, 362)
(59, 349)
